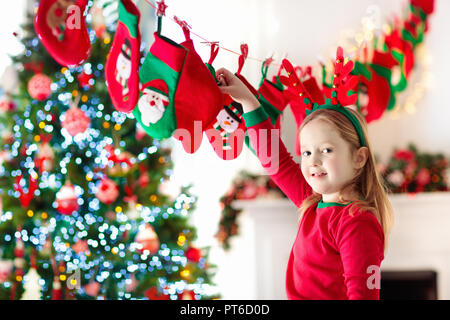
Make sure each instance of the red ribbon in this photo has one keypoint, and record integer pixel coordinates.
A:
(184, 26)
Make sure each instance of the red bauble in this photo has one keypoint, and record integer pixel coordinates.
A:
(7, 105)
(193, 254)
(39, 87)
(153, 294)
(45, 158)
(67, 199)
(148, 239)
(92, 288)
(108, 191)
(6, 268)
(76, 121)
(187, 295)
(84, 80)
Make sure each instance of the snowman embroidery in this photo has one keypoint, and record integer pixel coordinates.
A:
(123, 68)
(228, 120)
(153, 101)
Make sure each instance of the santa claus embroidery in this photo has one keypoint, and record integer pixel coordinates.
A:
(123, 68)
(228, 120)
(153, 102)
(56, 17)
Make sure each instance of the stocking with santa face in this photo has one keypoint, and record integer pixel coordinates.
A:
(62, 29)
(121, 69)
(159, 77)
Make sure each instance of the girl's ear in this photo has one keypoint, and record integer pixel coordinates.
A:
(360, 157)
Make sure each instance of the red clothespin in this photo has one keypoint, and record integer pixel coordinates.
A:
(242, 57)
(214, 51)
(184, 26)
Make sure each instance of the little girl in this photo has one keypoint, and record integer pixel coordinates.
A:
(345, 212)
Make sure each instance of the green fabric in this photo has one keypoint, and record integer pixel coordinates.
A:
(212, 70)
(361, 69)
(322, 204)
(409, 37)
(343, 111)
(418, 11)
(254, 117)
(129, 20)
(154, 68)
(403, 83)
(271, 111)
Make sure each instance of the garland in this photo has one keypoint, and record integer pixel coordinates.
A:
(246, 186)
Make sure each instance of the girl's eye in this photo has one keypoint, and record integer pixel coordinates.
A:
(306, 153)
(327, 150)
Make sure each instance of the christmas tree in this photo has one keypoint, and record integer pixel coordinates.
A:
(85, 209)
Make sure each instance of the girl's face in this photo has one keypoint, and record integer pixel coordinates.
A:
(327, 162)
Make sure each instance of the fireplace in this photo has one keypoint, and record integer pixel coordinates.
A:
(409, 285)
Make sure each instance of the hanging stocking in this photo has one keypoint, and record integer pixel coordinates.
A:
(61, 27)
(227, 133)
(271, 98)
(402, 51)
(373, 92)
(413, 29)
(121, 70)
(178, 91)
(382, 64)
(198, 98)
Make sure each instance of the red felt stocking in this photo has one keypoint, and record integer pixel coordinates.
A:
(61, 26)
(198, 98)
(227, 133)
(373, 93)
(121, 71)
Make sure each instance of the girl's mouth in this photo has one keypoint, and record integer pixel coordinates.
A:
(319, 175)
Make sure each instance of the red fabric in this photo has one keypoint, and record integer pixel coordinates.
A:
(378, 93)
(273, 95)
(172, 54)
(74, 48)
(197, 99)
(426, 6)
(124, 96)
(332, 251)
(384, 59)
(235, 140)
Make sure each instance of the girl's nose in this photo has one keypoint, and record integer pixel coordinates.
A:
(315, 159)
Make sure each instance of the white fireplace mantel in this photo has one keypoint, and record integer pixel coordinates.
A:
(420, 239)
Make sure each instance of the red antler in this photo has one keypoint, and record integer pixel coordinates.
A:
(343, 82)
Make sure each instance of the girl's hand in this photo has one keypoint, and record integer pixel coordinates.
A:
(230, 84)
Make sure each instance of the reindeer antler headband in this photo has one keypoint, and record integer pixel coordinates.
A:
(343, 82)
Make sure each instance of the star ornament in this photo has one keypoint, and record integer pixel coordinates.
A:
(161, 11)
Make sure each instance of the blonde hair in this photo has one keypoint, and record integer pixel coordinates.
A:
(368, 181)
